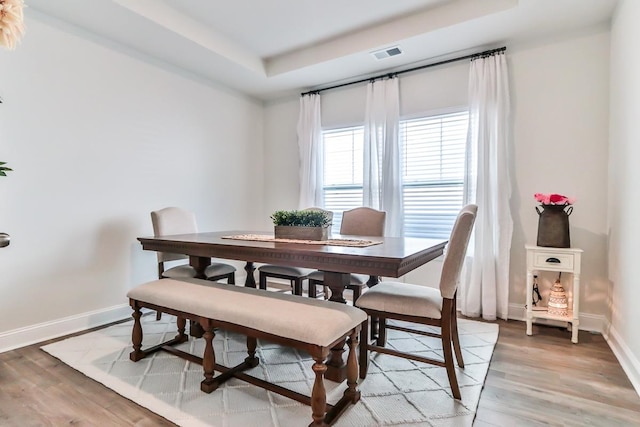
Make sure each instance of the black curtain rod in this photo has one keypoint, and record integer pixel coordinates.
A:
(395, 73)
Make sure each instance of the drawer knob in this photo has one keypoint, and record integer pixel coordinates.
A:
(553, 260)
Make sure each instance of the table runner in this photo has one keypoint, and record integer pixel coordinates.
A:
(329, 242)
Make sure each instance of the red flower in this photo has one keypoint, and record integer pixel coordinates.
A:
(553, 199)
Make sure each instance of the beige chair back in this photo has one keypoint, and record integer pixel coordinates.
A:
(363, 222)
(456, 250)
(170, 221)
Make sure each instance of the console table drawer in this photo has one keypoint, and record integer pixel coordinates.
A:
(553, 261)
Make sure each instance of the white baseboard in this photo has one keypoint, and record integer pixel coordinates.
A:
(630, 364)
(56, 328)
(588, 322)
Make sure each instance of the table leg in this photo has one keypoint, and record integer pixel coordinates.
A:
(336, 366)
(373, 280)
(250, 281)
(199, 264)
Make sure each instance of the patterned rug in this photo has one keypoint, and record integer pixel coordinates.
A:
(396, 391)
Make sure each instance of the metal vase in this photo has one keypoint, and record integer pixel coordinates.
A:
(553, 225)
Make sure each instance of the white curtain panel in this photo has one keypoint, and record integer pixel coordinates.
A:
(311, 151)
(382, 181)
(485, 292)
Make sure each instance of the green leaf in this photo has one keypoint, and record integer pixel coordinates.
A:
(304, 218)
(4, 169)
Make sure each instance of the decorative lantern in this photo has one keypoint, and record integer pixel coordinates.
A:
(558, 302)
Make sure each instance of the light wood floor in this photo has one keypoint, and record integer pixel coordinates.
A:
(532, 381)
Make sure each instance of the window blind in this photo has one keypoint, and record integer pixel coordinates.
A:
(342, 171)
(433, 172)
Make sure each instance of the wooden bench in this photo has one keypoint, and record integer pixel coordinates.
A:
(313, 326)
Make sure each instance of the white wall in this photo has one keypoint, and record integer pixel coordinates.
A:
(560, 100)
(560, 124)
(624, 193)
(97, 139)
(281, 159)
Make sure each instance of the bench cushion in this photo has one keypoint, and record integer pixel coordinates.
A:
(307, 320)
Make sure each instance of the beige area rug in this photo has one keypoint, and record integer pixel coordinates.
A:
(396, 392)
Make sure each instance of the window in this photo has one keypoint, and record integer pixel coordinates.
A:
(433, 172)
(342, 171)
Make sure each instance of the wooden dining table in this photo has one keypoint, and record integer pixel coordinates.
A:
(388, 257)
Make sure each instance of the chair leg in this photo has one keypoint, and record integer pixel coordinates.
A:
(356, 293)
(263, 281)
(297, 287)
(382, 332)
(313, 284)
(373, 328)
(448, 354)
(364, 349)
(158, 315)
(455, 338)
(313, 292)
(231, 279)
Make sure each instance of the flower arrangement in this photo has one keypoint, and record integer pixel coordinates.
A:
(11, 22)
(554, 199)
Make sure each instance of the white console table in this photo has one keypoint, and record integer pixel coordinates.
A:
(554, 259)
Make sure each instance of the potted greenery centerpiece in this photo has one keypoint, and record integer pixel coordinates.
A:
(301, 225)
(4, 169)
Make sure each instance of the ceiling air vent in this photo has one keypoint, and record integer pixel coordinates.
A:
(387, 52)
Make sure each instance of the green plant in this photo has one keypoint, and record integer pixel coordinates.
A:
(4, 169)
(305, 218)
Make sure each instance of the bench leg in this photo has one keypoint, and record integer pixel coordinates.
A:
(136, 336)
(352, 392)
(181, 322)
(209, 384)
(351, 395)
(318, 394)
(251, 360)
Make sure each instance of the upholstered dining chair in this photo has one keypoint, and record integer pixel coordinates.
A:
(174, 220)
(360, 221)
(296, 276)
(170, 221)
(422, 305)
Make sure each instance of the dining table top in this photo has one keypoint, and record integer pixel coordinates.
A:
(389, 256)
